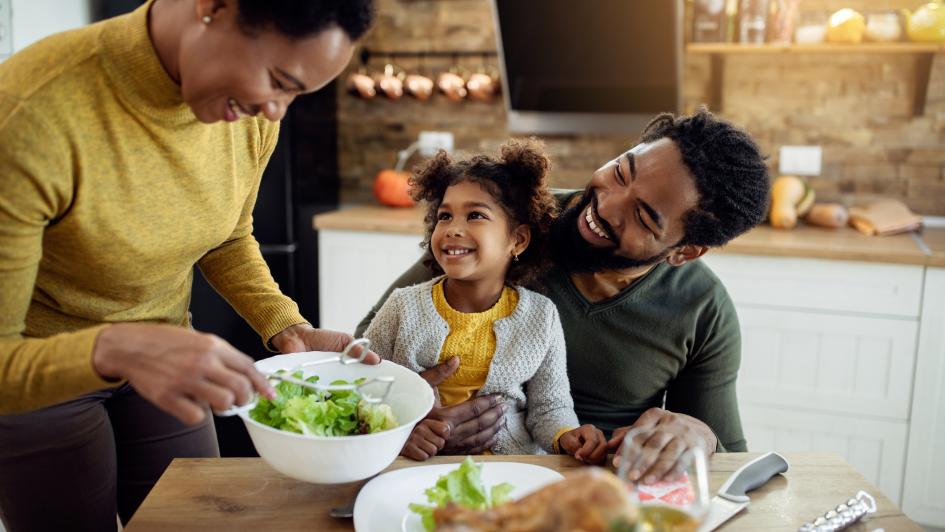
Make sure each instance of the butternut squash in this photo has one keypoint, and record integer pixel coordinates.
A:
(832, 215)
(787, 192)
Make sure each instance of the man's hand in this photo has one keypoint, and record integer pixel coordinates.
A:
(665, 437)
(426, 439)
(586, 443)
(304, 337)
(472, 425)
(179, 370)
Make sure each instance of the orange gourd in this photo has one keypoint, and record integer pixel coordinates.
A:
(392, 188)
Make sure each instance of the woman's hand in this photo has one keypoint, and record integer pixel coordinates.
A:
(304, 337)
(586, 443)
(179, 370)
(473, 424)
(668, 436)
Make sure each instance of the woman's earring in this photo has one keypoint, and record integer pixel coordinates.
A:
(207, 19)
(514, 257)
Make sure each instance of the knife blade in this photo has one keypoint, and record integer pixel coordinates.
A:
(732, 496)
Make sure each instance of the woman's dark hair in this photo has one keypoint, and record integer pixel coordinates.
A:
(516, 178)
(298, 19)
(730, 173)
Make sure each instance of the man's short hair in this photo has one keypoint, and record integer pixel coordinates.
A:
(729, 170)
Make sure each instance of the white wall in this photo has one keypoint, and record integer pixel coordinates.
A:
(35, 19)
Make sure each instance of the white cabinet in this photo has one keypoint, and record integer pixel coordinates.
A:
(817, 284)
(858, 366)
(828, 357)
(923, 497)
(877, 449)
(354, 270)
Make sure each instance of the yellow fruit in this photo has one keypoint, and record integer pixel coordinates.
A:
(927, 24)
(846, 26)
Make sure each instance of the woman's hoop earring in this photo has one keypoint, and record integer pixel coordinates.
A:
(206, 19)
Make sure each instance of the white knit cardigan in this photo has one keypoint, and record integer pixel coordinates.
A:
(528, 367)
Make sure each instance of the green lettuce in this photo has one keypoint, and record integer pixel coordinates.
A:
(322, 413)
(462, 486)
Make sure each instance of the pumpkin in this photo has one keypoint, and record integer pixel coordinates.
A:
(392, 188)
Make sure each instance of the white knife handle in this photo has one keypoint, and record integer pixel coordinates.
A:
(752, 475)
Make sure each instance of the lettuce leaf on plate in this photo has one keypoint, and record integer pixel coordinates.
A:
(462, 486)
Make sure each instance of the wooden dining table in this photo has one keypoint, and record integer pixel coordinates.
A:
(245, 494)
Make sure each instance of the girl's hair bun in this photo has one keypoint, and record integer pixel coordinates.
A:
(526, 160)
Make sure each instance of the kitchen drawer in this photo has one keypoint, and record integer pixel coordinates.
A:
(858, 365)
(354, 270)
(816, 284)
(874, 448)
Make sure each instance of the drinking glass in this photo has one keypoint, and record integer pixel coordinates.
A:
(677, 504)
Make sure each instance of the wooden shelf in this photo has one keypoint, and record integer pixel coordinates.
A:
(718, 52)
(823, 48)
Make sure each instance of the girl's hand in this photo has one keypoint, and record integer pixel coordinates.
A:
(303, 337)
(586, 443)
(426, 439)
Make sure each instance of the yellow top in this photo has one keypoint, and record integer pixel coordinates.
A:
(111, 192)
(472, 339)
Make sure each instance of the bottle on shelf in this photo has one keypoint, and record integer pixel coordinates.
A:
(752, 21)
(709, 21)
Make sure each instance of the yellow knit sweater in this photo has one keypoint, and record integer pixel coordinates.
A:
(472, 339)
(110, 192)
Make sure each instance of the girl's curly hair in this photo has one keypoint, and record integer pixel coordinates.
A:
(517, 179)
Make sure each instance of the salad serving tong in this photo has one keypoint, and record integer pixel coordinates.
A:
(373, 390)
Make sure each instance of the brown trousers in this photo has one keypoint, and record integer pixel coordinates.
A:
(73, 466)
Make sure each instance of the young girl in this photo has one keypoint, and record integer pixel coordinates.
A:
(487, 224)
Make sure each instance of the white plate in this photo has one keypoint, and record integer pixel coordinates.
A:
(381, 505)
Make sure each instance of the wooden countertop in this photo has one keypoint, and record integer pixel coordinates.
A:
(372, 218)
(802, 241)
(935, 240)
(246, 494)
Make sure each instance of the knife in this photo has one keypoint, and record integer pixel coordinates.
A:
(732, 496)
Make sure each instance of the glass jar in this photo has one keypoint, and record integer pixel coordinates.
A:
(709, 21)
(883, 26)
(752, 21)
(783, 21)
(811, 27)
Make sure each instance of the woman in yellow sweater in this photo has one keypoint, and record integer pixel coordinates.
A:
(131, 150)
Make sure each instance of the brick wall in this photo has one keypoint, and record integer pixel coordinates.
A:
(857, 106)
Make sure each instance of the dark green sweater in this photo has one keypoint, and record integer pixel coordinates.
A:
(672, 333)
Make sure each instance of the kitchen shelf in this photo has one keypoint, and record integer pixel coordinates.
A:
(824, 48)
(718, 52)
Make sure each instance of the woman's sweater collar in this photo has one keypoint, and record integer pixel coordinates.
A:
(133, 65)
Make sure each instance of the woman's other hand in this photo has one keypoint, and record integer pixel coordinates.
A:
(304, 337)
(179, 370)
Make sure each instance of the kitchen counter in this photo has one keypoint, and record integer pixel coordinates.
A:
(935, 240)
(802, 241)
(372, 218)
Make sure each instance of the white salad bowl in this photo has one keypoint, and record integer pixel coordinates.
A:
(340, 459)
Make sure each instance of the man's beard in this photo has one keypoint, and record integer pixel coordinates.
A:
(573, 254)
